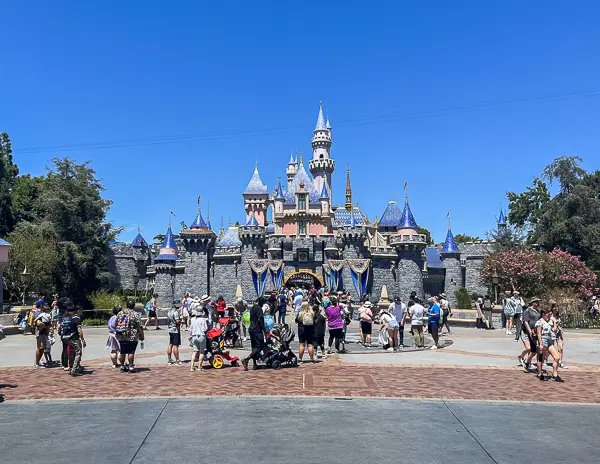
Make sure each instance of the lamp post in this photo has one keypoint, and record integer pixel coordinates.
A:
(136, 281)
(26, 279)
(495, 281)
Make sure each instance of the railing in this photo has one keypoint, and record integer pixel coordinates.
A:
(581, 321)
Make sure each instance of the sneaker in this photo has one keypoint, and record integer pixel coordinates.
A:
(526, 367)
(245, 338)
(66, 369)
(328, 351)
(390, 349)
(520, 360)
(124, 369)
(131, 368)
(541, 377)
(169, 362)
(433, 347)
(245, 364)
(449, 333)
(178, 363)
(75, 373)
(562, 366)
(557, 379)
(158, 328)
(39, 366)
(114, 366)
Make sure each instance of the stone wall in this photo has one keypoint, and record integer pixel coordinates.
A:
(226, 280)
(382, 275)
(162, 284)
(409, 274)
(454, 276)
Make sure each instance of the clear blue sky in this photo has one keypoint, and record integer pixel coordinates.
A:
(245, 79)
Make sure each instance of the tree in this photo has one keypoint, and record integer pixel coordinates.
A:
(525, 208)
(73, 205)
(25, 199)
(33, 246)
(463, 238)
(424, 231)
(565, 169)
(8, 172)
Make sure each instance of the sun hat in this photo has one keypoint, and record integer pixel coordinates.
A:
(368, 304)
(177, 303)
(204, 298)
(535, 299)
(443, 295)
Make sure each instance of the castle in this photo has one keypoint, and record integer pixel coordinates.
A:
(308, 241)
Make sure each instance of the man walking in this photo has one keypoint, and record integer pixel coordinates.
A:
(71, 333)
(518, 305)
(282, 306)
(129, 330)
(257, 333)
(42, 321)
(152, 311)
(530, 317)
(433, 314)
(174, 324)
(445, 307)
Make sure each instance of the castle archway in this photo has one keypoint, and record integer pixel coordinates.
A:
(304, 278)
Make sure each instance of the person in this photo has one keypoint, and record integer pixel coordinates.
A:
(282, 306)
(557, 333)
(54, 312)
(42, 321)
(595, 306)
(298, 301)
(112, 343)
(174, 327)
(198, 329)
(416, 311)
(544, 337)
(530, 316)
(433, 314)
(71, 332)
(153, 308)
(257, 333)
(389, 324)
(335, 323)
(366, 322)
(398, 309)
(509, 312)
(221, 308)
(186, 304)
(487, 312)
(241, 307)
(306, 330)
(129, 331)
(320, 324)
(445, 307)
(518, 305)
(273, 304)
(479, 324)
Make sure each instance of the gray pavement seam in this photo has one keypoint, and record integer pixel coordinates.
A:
(148, 433)
(470, 433)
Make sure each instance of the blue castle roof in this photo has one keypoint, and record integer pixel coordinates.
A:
(139, 241)
(407, 221)
(199, 222)
(433, 258)
(252, 222)
(168, 250)
(256, 186)
(391, 216)
(324, 194)
(450, 245)
(321, 120)
(4, 243)
(342, 217)
(501, 218)
(302, 177)
(230, 238)
(279, 191)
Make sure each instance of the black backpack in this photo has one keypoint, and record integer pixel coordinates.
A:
(66, 329)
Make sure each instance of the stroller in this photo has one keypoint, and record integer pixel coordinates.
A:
(231, 336)
(280, 339)
(217, 354)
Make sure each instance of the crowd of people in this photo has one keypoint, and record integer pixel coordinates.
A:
(316, 313)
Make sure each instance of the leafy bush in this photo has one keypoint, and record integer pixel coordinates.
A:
(463, 298)
(94, 322)
(105, 300)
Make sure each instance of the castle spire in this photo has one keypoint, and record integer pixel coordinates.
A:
(320, 119)
(168, 250)
(407, 221)
(348, 204)
(450, 245)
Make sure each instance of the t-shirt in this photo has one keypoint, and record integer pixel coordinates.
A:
(546, 331)
(257, 319)
(111, 324)
(172, 317)
(416, 313)
(434, 313)
(320, 325)
(44, 318)
(398, 310)
(444, 305)
(198, 326)
(75, 326)
(135, 322)
(518, 305)
(334, 317)
(298, 303)
(365, 314)
(281, 301)
(530, 316)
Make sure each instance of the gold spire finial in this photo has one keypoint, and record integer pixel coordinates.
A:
(448, 217)
(256, 166)
(376, 223)
(348, 204)
(139, 230)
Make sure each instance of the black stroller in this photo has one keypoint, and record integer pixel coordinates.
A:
(280, 339)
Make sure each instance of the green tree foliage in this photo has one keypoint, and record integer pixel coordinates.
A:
(8, 173)
(566, 170)
(424, 231)
(463, 238)
(33, 246)
(26, 192)
(526, 207)
(463, 299)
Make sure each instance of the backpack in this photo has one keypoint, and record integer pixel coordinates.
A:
(282, 299)
(123, 324)
(148, 306)
(307, 319)
(66, 329)
(487, 305)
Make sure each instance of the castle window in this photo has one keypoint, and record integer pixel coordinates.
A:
(301, 228)
(302, 202)
(321, 157)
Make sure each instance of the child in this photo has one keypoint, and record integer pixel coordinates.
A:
(320, 323)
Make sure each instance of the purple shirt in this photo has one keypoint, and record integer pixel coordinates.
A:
(335, 319)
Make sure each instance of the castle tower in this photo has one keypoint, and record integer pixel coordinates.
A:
(253, 244)
(164, 266)
(291, 170)
(256, 198)
(322, 166)
(278, 201)
(410, 248)
(454, 279)
(141, 259)
(325, 209)
(501, 222)
(348, 204)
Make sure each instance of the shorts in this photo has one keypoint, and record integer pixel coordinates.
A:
(306, 334)
(319, 340)
(128, 347)
(366, 327)
(559, 335)
(151, 313)
(434, 327)
(198, 343)
(175, 339)
(41, 341)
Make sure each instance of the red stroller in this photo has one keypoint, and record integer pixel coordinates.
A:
(216, 348)
(231, 336)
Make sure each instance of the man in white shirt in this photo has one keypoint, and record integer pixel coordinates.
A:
(298, 301)
(416, 312)
(398, 309)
